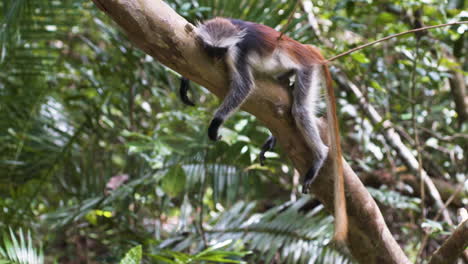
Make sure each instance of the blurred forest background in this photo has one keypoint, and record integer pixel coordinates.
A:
(98, 155)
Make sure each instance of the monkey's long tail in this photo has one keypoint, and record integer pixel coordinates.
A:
(341, 217)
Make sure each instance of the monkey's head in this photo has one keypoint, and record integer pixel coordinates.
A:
(217, 35)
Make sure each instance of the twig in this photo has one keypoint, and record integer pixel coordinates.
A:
(449, 201)
(412, 94)
(444, 138)
(307, 6)
(413, 118)
(394, 36)
(289, 19)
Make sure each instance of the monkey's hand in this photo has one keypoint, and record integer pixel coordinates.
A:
(267, 146)
(214, 127)
(184, 87)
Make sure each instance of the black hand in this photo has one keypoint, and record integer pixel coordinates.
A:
(213, 128)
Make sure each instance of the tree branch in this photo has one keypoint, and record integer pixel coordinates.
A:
(155, 28)
(454, 246)
(394, 36)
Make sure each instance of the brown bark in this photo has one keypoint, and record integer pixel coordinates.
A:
(155, 28)
(453, 247)
(460, 97)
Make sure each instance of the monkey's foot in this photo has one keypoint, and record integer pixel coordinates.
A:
(309, 179)
(311, 175)
(214, 127)
(314, 169)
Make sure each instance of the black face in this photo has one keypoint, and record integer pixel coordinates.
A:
(215, 52)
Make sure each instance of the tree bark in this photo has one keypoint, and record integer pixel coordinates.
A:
(159, 31)
(453, 247)
(460, 97)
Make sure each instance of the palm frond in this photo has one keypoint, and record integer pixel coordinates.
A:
(395, 199)
(133, 256)
(283, 234)
(19, 249)
(213, 254)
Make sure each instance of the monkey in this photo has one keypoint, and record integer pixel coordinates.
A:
(248, 48)
(183, 90)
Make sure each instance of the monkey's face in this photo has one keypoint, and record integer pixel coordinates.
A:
(215, 52)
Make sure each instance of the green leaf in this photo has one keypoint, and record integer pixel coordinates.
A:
(433, 226)
(163, 259)
(173, 182)
(133, 256)
(385, 18)
(220, 259)
(377, 86)
(360, 57)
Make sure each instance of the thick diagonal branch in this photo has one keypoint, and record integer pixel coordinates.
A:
(155, 28)
(454, 246)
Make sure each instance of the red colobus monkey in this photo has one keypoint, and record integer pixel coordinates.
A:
(247, 47)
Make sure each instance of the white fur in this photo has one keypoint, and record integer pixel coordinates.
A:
(314, 89)
(275, 64)
(219, 41)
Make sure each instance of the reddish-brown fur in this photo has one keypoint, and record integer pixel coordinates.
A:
(300, 53)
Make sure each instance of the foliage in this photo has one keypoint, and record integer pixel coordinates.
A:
(395, 199)
(211, 254)
(272, 234)
(81, 106)
(133, 256)
(19, 249)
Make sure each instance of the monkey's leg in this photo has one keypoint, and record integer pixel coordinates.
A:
(306, 93)
(240, 88)
(267, 146)
(184, 87)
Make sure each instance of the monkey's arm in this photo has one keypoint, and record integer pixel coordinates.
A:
(240, 88)
(267, 146)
